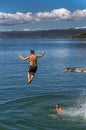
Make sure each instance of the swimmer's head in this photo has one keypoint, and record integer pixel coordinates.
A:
(57, 105)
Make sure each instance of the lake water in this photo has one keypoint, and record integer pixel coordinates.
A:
(32, 107)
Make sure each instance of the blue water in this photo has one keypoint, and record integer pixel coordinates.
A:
(32, 107)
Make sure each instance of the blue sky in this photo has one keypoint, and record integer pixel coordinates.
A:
(42, 14)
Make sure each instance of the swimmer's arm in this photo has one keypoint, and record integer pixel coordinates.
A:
(23, 58)
(59, 110)
(41, 55)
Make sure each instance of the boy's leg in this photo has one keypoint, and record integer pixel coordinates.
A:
(32, 76)
(29, 77)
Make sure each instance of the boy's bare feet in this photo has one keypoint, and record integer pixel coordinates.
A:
(29, 81)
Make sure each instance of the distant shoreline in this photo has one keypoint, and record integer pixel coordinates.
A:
(43, 34)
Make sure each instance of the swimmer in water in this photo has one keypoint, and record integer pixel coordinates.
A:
(59, 109)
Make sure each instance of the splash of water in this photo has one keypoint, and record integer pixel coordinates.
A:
(75, 113)
(79, 109)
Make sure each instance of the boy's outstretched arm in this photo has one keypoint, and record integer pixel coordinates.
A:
(23, 58)
(41, 55)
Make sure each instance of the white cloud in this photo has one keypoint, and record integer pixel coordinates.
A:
(54, 15)
(26, 29)
(84, 27)
(79, 14)
(18, 18)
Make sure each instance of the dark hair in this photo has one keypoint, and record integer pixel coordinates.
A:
(32, 51)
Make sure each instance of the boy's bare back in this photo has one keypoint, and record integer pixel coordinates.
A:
(33, 60)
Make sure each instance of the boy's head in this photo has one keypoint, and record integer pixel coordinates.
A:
(32, 51)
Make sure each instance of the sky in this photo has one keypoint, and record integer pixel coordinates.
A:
(19, 15)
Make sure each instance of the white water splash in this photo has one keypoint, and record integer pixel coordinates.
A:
(78, 110)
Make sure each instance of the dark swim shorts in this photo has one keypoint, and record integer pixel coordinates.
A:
(32, 69)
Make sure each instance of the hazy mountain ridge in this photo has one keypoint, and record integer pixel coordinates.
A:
(55, 33)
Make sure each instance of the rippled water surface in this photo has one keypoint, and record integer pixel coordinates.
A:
(32, 107)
